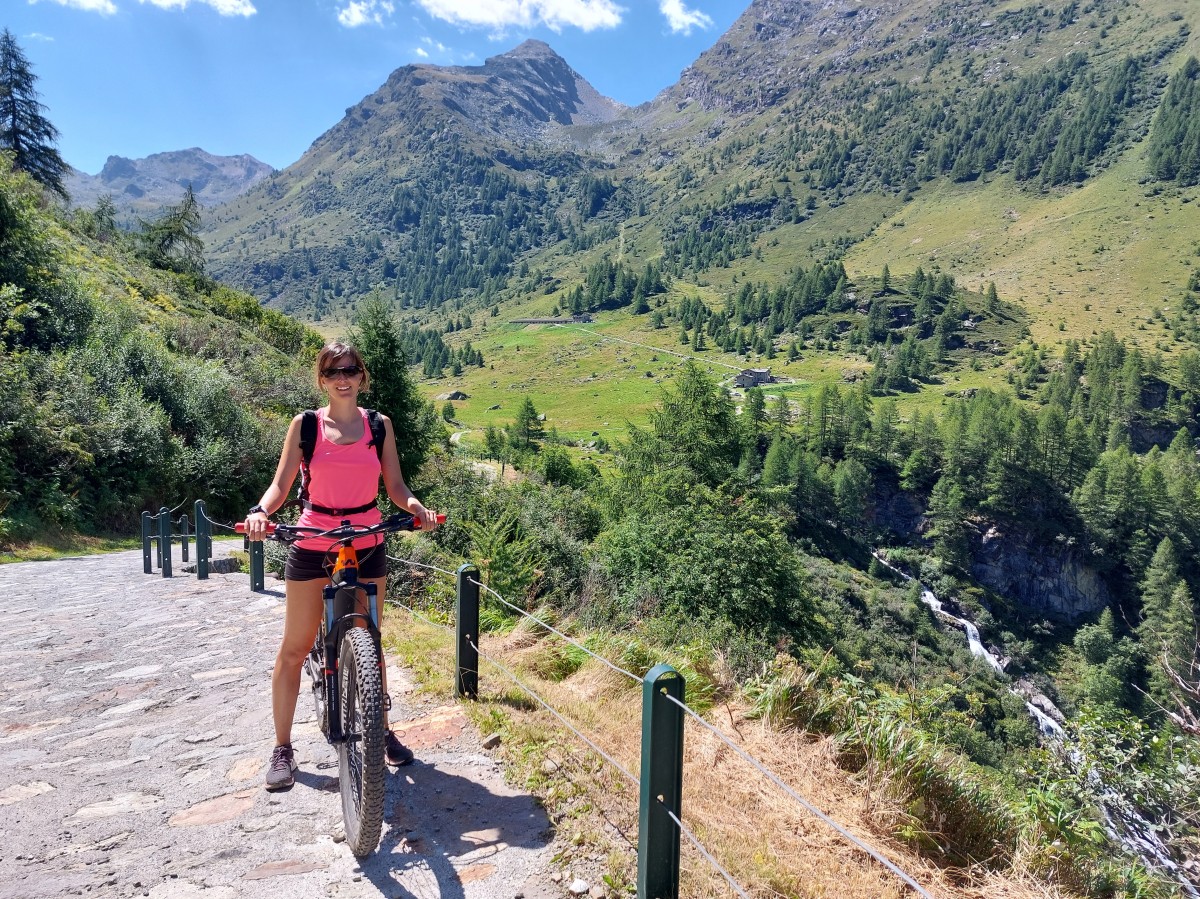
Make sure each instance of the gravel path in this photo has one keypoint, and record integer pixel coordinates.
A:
(134, 733)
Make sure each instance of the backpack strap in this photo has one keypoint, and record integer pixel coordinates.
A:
(378, 431)
(308, 444)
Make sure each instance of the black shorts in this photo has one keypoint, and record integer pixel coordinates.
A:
(315, 565)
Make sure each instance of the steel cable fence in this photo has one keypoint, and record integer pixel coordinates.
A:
(774, 778)
(601, 752)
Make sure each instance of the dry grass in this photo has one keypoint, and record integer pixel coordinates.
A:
(769, 844)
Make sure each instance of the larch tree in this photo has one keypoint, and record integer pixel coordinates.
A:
(173, 241)
(25, 132)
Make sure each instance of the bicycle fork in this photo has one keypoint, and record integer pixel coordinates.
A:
(340, 615)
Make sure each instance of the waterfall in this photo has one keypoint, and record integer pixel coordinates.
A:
(1124, 825)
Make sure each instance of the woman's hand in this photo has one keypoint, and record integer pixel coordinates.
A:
(256, 525)
(427, 517)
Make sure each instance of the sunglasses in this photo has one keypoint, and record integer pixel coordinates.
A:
(349, 371)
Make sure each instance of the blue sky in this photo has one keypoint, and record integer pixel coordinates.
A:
(267, 77)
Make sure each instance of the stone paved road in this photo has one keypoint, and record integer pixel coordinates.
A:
(134, 733)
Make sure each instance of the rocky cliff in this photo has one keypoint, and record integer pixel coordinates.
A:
(1051, 581)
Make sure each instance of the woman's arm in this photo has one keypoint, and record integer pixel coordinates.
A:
(281, 485)
(393, 481)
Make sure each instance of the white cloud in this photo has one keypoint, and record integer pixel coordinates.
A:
(38, 36)
(365, 12)
(681, 19)
(586, 15)
(224, 7)
(104, 7)
(420, 51)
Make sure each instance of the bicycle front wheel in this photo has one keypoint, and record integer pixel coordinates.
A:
(361, 753)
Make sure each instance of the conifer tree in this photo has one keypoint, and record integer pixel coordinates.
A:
(527, 428)
(24, 129)
(414, 422)
(173, 241)
(776, 466)
(1158, 586)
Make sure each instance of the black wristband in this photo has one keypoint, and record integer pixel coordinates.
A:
(257, 507)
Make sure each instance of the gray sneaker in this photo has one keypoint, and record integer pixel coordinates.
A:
(283, 763)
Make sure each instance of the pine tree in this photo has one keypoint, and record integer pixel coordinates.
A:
(527, 428)
(777, 464)
(1157, 588)
(1169, 642)
(24, 129)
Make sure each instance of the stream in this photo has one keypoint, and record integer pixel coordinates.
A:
(1123, 824)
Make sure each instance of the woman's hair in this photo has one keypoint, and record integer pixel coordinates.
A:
(337, 350)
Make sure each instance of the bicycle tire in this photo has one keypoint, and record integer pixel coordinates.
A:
(361, 766)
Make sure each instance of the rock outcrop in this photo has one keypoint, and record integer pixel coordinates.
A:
(1052, 581)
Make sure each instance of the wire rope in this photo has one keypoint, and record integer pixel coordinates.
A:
(422, 565)
(604, 755)
(416, 614)
(774, 778)
(683, 829)
(552, 629)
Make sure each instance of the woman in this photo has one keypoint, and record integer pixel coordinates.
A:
(343, 474)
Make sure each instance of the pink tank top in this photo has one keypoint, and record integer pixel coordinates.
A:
(343, 476)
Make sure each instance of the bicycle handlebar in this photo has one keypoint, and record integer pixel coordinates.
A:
(289, 533)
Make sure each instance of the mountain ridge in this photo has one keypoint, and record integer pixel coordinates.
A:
(142, 186)
(833, 100)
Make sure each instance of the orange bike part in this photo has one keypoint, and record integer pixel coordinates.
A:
(346, 558)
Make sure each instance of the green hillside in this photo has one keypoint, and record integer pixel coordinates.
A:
(1004, 143)
(134, 381)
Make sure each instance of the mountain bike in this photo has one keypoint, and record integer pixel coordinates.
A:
(345, 665)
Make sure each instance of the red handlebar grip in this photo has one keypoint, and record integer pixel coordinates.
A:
(240, 527)
(441, 519)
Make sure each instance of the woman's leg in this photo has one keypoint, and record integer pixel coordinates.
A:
(302, 617)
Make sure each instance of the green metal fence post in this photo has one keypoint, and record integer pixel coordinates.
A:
(661, 784)
(203, 541)
(466, 626)
(147, 558)
(183, 534)
(164, 540)
(258, 578)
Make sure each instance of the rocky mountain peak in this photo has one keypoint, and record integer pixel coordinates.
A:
(516, 95)
(529, 49)
(776, 43)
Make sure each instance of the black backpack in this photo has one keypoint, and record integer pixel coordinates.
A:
(308, 443)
